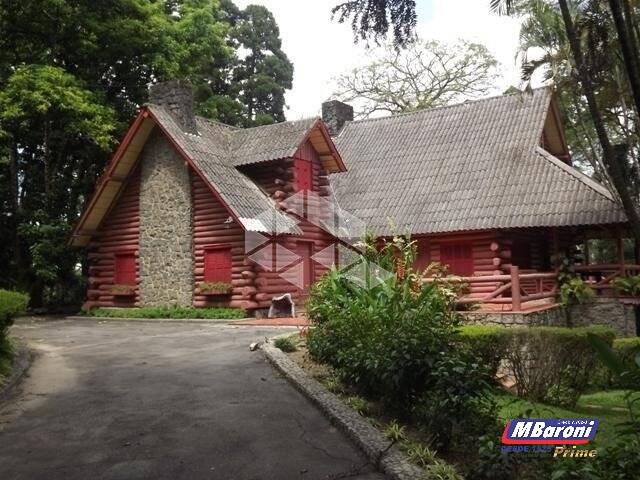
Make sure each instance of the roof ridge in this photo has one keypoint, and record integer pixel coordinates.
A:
(443, 107)
(306, 119)
(577, 174)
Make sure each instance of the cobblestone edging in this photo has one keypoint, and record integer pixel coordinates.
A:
(21, 362)
(386, 456)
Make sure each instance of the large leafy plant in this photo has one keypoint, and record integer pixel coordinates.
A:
(386, 334)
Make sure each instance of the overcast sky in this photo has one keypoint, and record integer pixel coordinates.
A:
(321, 49)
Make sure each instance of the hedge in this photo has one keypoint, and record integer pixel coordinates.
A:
(11, 305)
(626, 349)
(549, 364)
(170, 312)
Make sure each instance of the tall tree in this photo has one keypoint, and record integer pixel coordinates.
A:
(72, 74)
(425, 74)
(614, 156)
(372, 19)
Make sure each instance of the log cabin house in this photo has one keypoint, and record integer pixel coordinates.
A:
(485, 187)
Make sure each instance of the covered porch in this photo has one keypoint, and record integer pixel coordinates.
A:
(517, 270)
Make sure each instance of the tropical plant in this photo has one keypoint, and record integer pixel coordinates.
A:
(629, 285)
(382, 333)
(575, 291)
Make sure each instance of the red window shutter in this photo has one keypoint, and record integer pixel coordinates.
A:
(217, 265)
(125, 269)
(459, 257)
(303, 175)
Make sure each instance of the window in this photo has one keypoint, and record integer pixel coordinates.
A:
(217, 264)
(125, 269)
(459, 257)
(303, 175)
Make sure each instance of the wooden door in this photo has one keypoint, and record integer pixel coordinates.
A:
(459, 257)
(305, 251)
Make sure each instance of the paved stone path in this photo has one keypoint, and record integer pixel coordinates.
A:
(139, 400)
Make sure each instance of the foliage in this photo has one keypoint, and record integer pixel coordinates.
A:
(169, 312)
(384, 340)
(442, 471)
(629, 285)
(286, 344)
(215, 287)
(420, 454)
(488, 343)
(549, 364)
(457, 405)
(395, 432)
(11, 305)
(72, 74)
(553, 364)
(424, 74)
(371, 19)
(575, 291)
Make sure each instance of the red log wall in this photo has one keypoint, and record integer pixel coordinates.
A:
(277, 179)
(209, 217)
(119, 233)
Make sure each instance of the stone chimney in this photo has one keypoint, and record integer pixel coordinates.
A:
(177, 97)
(335, 114)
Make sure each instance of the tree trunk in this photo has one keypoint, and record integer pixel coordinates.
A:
(613, 158)
(629, 49)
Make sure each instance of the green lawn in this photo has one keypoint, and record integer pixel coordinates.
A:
(170, 312)
(608, 406)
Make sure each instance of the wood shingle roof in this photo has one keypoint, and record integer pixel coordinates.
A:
(473, 166)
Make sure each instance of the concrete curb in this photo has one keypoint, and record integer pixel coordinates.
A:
(21, 363)
(386, 456)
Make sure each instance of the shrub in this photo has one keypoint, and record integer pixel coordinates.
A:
(553, 364)
(169, 312)
(457, 405)
(629, 285)
(286, 344)
(11, 305)
(215, 287)
(549, 364)
(487, 342)
(627, 350)
(383, 340)
(575, 290)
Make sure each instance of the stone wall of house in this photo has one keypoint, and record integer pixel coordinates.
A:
(550, 317)
(166, 255)
(609, 312)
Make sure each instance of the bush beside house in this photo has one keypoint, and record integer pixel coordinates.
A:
(11, 305)
(398, 343)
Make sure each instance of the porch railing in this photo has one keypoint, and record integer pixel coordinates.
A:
(601, 277)
(514, 291)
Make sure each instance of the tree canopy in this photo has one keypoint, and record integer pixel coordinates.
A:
(72, 75)
(424, 74)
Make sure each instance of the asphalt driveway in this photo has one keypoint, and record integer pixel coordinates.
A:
(124, 400)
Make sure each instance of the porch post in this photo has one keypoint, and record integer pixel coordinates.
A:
(620, 244)
(516, 301)
(556, 248)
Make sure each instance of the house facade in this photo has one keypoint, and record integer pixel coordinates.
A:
(192, 212)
